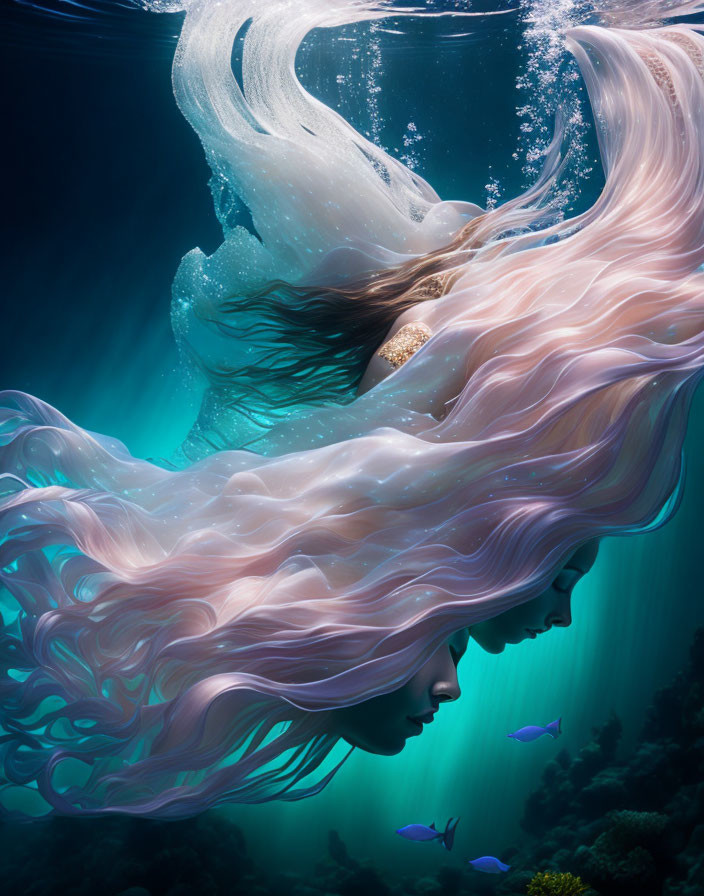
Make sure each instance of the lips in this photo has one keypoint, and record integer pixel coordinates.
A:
(422, 720)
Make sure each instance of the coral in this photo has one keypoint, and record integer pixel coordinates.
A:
(677, 711)
(623, 859)
(634, 873)
(583, 785)
(609, 735)
(654, 773)
(604, 792)
(589, 761)
(627, 826)
(628, 830)
(552, 883)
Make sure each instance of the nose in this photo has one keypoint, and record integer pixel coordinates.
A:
(446, 688)
(561, 615)
(448, 696)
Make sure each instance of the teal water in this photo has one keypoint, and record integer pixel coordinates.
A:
(110, 190)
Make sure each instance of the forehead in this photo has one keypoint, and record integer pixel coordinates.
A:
(584, 557)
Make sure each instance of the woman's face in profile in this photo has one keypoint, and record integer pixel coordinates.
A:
(552, 607)
(383, 724)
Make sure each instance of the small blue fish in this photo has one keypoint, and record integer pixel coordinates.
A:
(489, 864)
(533, 732)
(421, 833)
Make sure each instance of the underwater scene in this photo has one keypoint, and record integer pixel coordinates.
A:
(351, 359)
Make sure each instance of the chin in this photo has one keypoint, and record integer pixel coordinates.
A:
(383, 749)
(492, 648)
(379, 749)
(389, 748)
(490, 641)
(391, 751)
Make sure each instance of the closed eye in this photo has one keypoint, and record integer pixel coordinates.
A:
(566, 581)
(456, 654)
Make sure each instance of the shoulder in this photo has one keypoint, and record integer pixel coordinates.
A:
(403, 339)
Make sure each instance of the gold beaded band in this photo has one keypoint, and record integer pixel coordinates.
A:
(405, 343)
(431, 288)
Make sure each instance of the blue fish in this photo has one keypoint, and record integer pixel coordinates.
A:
(421, 833)
(489, 864)
(533, 732)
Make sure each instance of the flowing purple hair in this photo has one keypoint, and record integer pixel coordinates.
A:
(176, 639)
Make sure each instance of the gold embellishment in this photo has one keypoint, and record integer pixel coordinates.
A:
(689, 46)
(659, 71)
(430, 288)
(405, 343)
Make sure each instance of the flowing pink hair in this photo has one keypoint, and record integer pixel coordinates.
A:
(174, 640)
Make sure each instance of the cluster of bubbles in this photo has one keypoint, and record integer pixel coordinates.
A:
(371, 75)
(493, 192)
(449, 5)
(351, 58)
(353, 86)
(411, 139)
(550, 80)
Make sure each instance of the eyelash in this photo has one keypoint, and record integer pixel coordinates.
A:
(569, 588)
(454, 655)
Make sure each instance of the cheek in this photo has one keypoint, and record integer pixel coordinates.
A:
(489, 635)
(390, 708)
(413, 697)
(512, 625)
(410, 698)
(533, 613)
